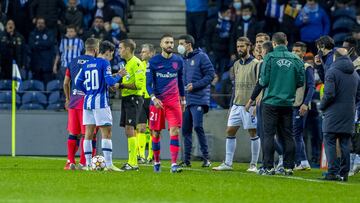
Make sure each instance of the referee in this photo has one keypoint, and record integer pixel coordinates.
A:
(131, 87)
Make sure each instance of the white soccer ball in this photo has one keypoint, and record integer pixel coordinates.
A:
(98, 163)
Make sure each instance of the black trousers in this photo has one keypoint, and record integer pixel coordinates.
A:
(335, 168)
(278, 119)
(195, 26)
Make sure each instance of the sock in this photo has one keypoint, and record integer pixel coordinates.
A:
(156, 148)
(77, 144)
(71, 146)
(150, 151)
(93, 142)
(88, 152)
(230, 150)
(82, 155)
(357, 159)
(141, 144)
(106, 146)
(281, 160)
(132, 151)
(305, 163)
(174, 148)
(255, 150)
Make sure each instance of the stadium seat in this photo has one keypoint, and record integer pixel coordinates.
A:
(54, 85)
(5, 84)
(55, 98)
(57, 106)
(32, 85)
(5, 98)
(34, 98)
(31, 107)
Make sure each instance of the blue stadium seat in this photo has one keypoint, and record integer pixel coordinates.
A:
(34, 98)
(55, 98)
(31, 107)
(6, 106)
(32, 85)
(57, 106)
(5, 84)
(5, 98)
(54, 85)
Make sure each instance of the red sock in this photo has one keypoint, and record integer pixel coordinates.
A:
(82, 154)
(71, 146)
(174, 148)
(156, 148)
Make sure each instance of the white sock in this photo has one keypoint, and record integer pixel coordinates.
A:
(255, 150)
(230, 150)
(88, 151)
(281, 160)
(305, 163)
(106, 145)
(357, 160)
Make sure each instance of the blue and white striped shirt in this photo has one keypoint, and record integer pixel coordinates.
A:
(274, 9)
(70, 48)
(94, 80)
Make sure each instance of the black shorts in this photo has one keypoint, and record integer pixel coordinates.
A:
(130, 110)
(144, 111)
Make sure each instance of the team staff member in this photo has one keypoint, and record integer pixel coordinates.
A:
(131, 86)
(198, 74)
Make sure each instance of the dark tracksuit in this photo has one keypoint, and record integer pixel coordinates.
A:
(282, 73)
(341, 93)
(299, 121)
(199, 71)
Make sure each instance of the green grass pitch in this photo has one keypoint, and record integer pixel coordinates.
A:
(41, 179)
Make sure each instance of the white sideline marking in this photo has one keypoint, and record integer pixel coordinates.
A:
(207, 171)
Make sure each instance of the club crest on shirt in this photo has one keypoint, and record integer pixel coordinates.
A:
(175, 65)
(192, 63)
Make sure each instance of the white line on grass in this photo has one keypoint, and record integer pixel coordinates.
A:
(207, 171)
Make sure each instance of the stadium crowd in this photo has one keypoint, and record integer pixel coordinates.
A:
(43, 36)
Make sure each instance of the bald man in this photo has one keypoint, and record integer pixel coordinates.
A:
(342, 92)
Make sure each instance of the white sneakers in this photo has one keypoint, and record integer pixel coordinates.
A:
(223, 167)
(252, 168)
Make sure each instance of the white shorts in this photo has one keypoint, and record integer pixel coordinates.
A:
(240, 117)
(98, 117)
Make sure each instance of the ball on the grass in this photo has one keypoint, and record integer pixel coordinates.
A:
(98, 163)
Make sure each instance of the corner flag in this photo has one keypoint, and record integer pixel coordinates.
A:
(16, 82)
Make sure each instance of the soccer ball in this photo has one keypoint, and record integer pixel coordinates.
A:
(98, 163)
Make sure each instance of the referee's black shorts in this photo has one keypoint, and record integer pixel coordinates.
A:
(130, 110)
(144, 111)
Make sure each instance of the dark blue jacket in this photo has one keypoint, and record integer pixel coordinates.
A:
(199, 71)
(341, 93)
(326, 63)
(41, 44)
(196, 5)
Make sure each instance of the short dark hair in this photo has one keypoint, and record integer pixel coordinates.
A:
(279, 38)
(149, 46)
(129, 43)
(166, 35)
(98, 17)
(268, 46)
(71, 27)
(106, 46)
(244, 39)
(351, 41)
(302, 45)
(224, 8)
(188, 39)
(247, 6)
(325, 41)
(91, 43)
(261, 34)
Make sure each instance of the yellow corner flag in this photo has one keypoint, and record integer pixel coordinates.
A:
(16, 81)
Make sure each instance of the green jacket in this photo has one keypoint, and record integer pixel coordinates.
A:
(282, 73)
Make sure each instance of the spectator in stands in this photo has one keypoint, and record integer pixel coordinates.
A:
(273, 15)
(313, 23)
(104, 11)
(50, 10)
(118, 7)
(246, 26)
(70, 47)
(18, 11)
(72, 16)
(196, 14)
(291, 10)
(217, 38)
(350, 44)
(343, 19)
(12, 47)
(3, 19)
(86, 8)
(42, 46)
(118, 31)
(236, 10)
(325, 56)
(97, 30)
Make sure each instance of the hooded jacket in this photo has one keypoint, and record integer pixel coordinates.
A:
(341, 93)
(199, 71)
